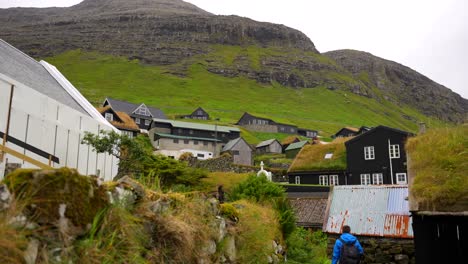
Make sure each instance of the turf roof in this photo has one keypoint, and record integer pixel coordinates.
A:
(312, 157)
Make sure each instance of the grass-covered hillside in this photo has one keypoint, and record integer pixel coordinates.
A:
(180, 88)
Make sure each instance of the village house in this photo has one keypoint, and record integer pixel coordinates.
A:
(350, 131)
(120, 120)
(377, 156)
(240, 150)
(199, 114)
(309, 133)
(288, 141)
(293, 149)
(269, 146)
(173, 138)
(323, 164)
(141, 114)
(261, 124)
(378, 215)
(43, 119)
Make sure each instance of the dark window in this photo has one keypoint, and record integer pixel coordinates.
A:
(205, 143)
(171, 157)
(235, 152)
(201, 155)
(213, 143)
(176, 141)
(186, 141)
(195, 142)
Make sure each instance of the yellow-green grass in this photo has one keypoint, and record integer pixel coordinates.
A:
(312, 157)
(438, 163)
(98, 76)
(258, 226)
(227, 179)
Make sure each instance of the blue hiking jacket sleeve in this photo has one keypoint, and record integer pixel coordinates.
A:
(348, 239)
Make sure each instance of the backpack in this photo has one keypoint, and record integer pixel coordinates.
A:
(349, 253)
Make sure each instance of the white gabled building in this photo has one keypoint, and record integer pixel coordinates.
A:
(43, 119)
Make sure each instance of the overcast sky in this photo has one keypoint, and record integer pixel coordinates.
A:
(430, 36)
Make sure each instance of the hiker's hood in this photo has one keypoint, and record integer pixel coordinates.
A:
(348, 238)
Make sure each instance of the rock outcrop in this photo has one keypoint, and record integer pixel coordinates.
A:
(177, 34)
(403, 85)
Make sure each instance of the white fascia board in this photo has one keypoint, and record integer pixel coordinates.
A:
(76, 95)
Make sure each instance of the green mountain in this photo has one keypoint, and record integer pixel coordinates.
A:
(173, 55)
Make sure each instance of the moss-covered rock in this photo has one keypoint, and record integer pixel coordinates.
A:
(42, 192)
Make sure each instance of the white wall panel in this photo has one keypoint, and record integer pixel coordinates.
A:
(62, 146)
(73, 149)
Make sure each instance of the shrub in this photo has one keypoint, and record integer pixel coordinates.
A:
(258, 189)
(306, 247)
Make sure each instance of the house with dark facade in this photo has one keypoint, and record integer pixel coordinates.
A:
(120, 120)
(172, 138)
(240, 150)
(261, 124)
(199, 114)
(269, 146)
(307, 132)
(321, 164)
(377, 156)
(350, 131)
(141, 114)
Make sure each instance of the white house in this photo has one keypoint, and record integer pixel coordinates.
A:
(43, 119)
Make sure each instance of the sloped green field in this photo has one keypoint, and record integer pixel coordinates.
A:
(98, 76)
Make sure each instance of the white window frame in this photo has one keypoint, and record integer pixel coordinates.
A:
(323, 179)
(142, 110)
(369, 153)
(377, 178)
(334, 180)
(109, 117)
(398, 181)
(147, 122)
(365, 179)
(394, 151)
(297, 179)
(137, 120)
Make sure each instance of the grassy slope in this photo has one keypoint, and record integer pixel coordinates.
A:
(98, 76)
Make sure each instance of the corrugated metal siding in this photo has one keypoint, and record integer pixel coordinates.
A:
(370, 210)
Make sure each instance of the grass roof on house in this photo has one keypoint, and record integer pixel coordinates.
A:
(312, 157)
(438, 166)
(290, 140)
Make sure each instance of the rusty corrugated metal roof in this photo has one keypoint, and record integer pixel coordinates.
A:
(370, 210)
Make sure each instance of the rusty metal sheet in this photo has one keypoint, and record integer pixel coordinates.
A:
(370, 210)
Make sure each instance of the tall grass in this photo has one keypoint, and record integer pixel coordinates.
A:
(438, 160)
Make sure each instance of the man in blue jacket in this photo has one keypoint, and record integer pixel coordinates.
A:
(347, 249)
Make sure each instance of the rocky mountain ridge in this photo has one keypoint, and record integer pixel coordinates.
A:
(178, 34)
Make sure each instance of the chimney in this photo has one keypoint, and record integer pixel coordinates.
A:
(422, 128)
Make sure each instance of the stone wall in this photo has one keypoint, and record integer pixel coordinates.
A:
(224, 163)
(382, 250)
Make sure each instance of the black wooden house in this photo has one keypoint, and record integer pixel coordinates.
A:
(377, 156)
(140, 113)
(351, 131)
(199, 114)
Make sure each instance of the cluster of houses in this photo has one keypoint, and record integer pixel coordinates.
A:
(43, 119)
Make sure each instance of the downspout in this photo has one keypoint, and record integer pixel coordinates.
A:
(390, 161)
(7, 130)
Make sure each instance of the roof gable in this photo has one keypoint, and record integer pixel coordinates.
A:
(195, 113)
(142, 110)
(129, 108)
